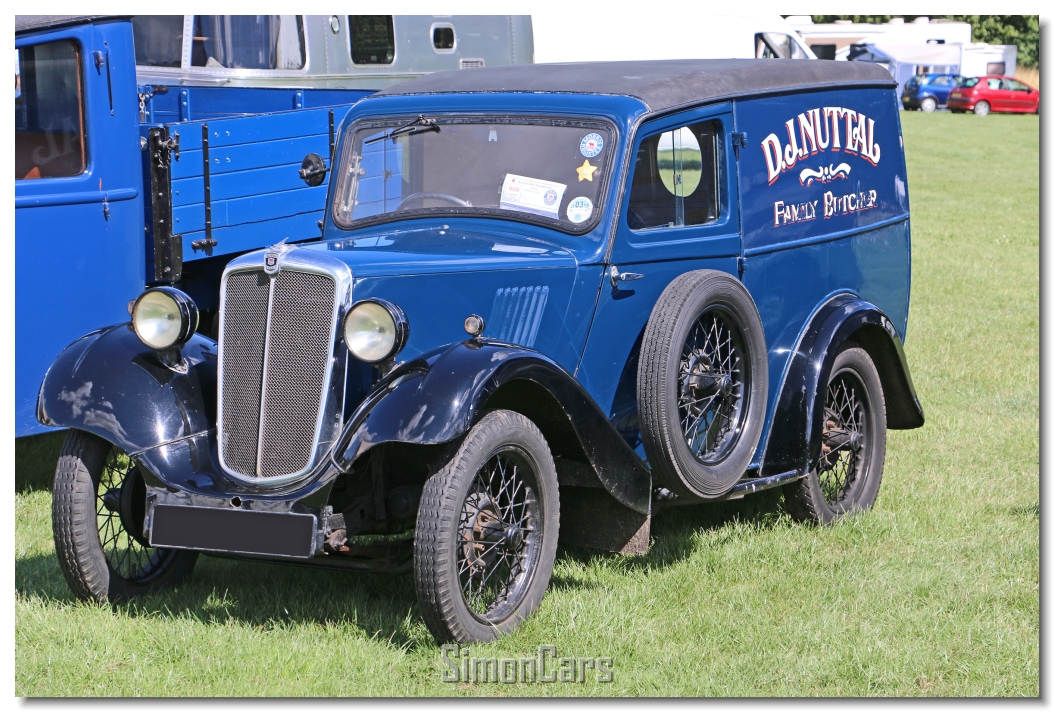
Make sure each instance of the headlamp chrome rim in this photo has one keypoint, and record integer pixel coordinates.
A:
(188, 317)
(400, 323)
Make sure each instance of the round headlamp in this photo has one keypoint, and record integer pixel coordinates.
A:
(375, 330)
(164, 318)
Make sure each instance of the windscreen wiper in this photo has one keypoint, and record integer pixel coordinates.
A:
(419, 125)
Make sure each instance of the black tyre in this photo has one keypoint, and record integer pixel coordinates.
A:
(928, 105)
(849, 472)
(982, 108)
(487, 530)
(702, 382)
(97, 512)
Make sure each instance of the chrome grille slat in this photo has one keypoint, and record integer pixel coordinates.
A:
(297, 355)
(243, 337)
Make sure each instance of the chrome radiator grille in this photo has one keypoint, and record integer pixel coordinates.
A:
(275, 346)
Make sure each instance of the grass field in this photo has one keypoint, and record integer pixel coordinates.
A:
(935, 592)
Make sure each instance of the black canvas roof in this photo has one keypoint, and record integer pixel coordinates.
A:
(660, 84)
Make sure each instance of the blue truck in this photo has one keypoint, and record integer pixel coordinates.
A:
(154, 149)
(548, 302)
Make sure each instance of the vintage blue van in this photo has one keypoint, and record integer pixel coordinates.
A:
(548, 301)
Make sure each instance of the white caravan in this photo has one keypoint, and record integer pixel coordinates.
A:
(693, 34)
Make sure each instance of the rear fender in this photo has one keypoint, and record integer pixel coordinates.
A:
(438, 397)
(794, 442)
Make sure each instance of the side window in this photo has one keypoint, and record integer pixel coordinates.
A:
(1016, 85)
(996, 68)
(248, 42)
(372, 39)
(823, 51)
(942, 81)
(158, 40)
(675, 178)
(49, 112)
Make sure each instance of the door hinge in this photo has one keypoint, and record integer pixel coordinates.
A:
(739, 140)
(741, 264)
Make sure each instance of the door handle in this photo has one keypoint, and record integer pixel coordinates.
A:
(617, 276)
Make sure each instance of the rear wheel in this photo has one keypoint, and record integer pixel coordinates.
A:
(982, 108)
(928, 105)
(849, 471)
(98, 505)
(487, 530)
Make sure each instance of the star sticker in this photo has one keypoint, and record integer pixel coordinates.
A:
(585, 171)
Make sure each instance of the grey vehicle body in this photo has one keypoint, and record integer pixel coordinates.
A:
(409, 45)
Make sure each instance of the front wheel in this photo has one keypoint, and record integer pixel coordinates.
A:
(853, 451)
(97, 512)
(982, 108)
(487, 530)
(928, 105)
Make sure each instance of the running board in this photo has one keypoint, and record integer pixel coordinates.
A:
(737, 492)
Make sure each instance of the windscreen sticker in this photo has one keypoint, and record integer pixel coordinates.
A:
(579, 210)
(531, 195)
(592, 144)
(585, 171)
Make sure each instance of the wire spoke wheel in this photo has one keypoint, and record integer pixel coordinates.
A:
(487, 529)
(851, 452)
(497, 544)
(711, 381)
(98, 508)
(844, 448)
(122, 542)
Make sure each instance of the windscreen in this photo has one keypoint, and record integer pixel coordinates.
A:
(535, 169)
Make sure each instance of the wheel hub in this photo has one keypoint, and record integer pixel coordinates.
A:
(487, 535)
(701, 381)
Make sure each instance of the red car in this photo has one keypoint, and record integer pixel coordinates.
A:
(994, 93)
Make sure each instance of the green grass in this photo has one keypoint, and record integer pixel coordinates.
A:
(934, 592)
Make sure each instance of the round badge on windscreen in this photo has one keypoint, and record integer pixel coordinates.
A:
(579, 210)
(592, 144)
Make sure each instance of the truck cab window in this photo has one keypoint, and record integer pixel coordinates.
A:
(248, 42)
(158, 40)
(675, 179)
(49, 112)
(372, 39)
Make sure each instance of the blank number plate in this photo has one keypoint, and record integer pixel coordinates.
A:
(233, 531)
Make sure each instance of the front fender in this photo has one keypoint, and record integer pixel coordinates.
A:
(794, 442)
(438, 398)
(110, 384)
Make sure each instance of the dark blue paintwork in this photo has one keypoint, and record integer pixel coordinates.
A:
(837, 268)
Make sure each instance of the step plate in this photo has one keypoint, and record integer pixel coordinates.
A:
(233, 531)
